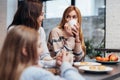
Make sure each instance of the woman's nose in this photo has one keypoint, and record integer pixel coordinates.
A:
(71, 18)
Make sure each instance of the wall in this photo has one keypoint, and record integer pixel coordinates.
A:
(7, 10)
(11, 9)
(92, 27)
(3, 13)
(112, 24)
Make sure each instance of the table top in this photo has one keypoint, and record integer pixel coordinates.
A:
(103, 76)
(107, 49)
(115, 73)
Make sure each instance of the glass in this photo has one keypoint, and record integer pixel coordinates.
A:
(47, 63)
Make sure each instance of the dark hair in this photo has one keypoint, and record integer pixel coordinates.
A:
(27, 14)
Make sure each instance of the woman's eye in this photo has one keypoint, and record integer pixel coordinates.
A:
(74, 16)
(68, 16)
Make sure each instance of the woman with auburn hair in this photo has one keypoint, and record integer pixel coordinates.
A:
(30, 14)
(19, 58)
(68, 37)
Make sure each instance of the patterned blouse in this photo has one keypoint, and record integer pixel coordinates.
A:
(57, 42)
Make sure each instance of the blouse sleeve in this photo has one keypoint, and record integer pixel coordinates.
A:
(67, 73)
(78, 52)
(55, 43)
(44, 44)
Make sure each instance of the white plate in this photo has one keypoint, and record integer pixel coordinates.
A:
(86, 63)
(87, 68)
(109, 62)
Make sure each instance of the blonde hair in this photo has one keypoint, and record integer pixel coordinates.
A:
(63, 21)
(12, 60)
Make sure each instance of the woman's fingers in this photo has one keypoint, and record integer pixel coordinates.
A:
(76, 32)
(59, 62)
(66, 57)
(68, 29)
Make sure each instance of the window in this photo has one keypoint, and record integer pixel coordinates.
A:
(55, 8)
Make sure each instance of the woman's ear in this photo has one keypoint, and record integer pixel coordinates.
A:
(24, 52)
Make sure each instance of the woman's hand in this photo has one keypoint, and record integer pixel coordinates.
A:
(68, 30)
(64, 57)
(76, 31)
(72, 31)
(59, 59)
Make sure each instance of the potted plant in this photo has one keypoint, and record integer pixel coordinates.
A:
(90, 49)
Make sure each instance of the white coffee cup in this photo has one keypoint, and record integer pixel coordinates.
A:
(47, 64)
(72, 23)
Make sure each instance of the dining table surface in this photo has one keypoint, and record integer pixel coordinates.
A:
(111, 75)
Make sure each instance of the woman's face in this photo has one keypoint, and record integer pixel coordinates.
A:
(40, 18)
(72, 15)
(39, 47)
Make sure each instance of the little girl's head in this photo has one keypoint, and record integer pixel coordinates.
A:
(22, 45)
